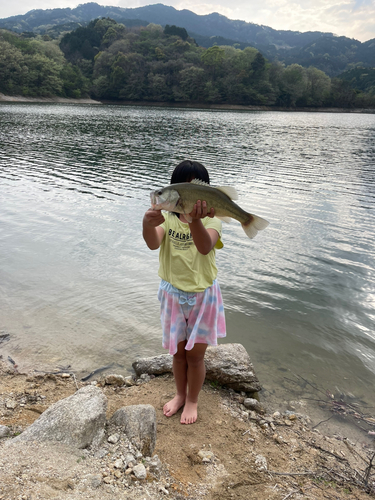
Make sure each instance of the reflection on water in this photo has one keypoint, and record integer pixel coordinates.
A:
(78, 285)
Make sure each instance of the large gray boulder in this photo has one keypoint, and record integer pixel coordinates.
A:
(138, 422)
(230, 365)
(227, 364)
(78, 420)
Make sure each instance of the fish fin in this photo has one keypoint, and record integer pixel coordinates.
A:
(199, 182)
(224, 219)
(230, 191)
(188, 218)
(256, 224)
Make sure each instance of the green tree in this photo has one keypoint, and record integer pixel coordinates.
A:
(213, 58)
(176, 31)
(294, 83)
(318, 87)
(192, 84)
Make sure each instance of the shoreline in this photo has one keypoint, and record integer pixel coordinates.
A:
(251, 454)
(185, 105)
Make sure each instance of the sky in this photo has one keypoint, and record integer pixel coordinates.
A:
(351, 18)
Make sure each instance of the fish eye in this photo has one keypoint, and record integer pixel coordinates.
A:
(159, 192)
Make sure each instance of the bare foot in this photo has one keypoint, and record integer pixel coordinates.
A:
(190, 413)
(173, 405)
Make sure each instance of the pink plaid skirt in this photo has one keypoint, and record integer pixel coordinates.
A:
(197, 318)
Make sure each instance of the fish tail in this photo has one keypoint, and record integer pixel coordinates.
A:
(254, 225)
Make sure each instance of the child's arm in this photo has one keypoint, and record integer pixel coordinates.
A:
(153, 234)
(204, 239)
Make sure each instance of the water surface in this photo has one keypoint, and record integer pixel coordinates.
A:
(78, 285)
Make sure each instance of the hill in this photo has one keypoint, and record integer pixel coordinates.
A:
(325, 51)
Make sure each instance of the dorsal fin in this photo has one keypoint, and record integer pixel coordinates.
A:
(230, 191)
(199, 182)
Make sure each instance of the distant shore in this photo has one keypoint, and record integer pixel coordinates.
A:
(187, 105)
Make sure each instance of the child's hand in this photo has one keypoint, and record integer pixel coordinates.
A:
(200, 211)
(153, 218)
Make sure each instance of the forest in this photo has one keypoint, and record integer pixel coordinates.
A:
(109, 61)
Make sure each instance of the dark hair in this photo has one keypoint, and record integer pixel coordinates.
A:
(188, 170)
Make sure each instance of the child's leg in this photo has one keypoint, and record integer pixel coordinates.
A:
(180, 376)
(196, 372)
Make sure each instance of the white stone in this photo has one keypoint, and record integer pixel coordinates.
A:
(113, 438)
(140, 471)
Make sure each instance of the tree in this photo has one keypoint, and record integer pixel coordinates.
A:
(294, 83)
(176, 31)
(318, 86)
(213, 59)
(192, 82)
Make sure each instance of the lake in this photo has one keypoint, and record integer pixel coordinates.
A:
(78, 284)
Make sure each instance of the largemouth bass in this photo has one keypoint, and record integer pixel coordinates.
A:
(182, 197)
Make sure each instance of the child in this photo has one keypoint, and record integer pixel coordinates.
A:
(191, 305)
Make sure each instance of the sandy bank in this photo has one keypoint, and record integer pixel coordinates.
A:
(185, 105)
(256, 456)
(8, 98)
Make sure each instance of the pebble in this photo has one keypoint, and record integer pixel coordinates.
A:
(140, 471)
(129, 381)
(114, 438)
(10, 404)
(253, 404)
(129, 459)
(95, 480)
(278, 439)
(117, 380)
(206, 456)
(261, 463)
(119, 464)
(4, 431)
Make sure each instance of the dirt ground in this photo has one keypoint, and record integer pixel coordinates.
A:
(269, 456)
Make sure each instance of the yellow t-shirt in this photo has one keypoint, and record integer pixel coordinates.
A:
(180, 262)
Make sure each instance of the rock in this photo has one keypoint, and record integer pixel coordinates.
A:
(278, 439)
(156, 365)
(253, 404)
(139, 424)
(230, 365)
(129, 381)
(95, 480)
(130, 459)
(261, 463)
(113, 438)
(140, 471)
(4, 431)
(117, 380)
(155, 465)
(119, 464)
(227, 364)
(11, 404)
(78, 420)
(206, 456)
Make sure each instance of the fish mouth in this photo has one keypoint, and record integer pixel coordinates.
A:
(153, 199)
(156, 202)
